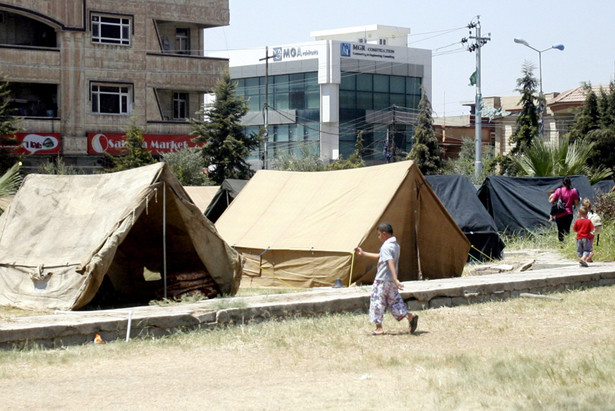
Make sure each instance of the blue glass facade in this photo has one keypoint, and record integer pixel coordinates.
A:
(299, 92)
(358, 94)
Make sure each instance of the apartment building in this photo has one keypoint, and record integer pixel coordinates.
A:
(82, 71)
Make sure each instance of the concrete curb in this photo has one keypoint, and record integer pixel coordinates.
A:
(80, 327)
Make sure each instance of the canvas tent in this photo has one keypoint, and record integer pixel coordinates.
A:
(301, 228)
(604, 186)
(459, 197)
(227, 193)
(201, 196)
(518, 204)
(64, 234)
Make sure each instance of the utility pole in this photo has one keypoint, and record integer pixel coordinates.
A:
(266, 106)
(476, 46)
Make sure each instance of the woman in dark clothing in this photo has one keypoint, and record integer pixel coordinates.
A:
(570, 197)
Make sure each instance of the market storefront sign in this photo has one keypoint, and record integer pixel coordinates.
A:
(113, 143)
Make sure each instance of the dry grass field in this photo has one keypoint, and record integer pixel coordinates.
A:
(517, 354)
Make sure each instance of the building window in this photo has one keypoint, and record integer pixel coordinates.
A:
(180, 106)
(382, 42)
(182, 41)
(111, 30)
(111, 99)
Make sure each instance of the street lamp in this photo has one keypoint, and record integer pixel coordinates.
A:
(542, 105)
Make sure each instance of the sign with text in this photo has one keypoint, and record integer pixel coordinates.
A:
(38, 143)
(113, 143)
(371, 51)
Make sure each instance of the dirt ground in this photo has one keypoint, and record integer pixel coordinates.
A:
(322, 367)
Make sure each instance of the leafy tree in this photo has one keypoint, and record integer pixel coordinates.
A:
(465, 162)
(187, 165)
(8, 128)
(308, 160)
(134, 154)
(603, 140)
(527, 121)
(354, 161)
(588, 118)
(426, 151)
(226, 146)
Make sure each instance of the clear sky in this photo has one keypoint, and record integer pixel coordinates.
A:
(586, 28)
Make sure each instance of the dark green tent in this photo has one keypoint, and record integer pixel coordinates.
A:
(226, 193)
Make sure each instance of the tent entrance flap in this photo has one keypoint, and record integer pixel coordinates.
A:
(140, 270)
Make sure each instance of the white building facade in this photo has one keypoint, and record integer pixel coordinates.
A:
(322, 94)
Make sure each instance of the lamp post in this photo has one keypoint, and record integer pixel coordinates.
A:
(543, 106)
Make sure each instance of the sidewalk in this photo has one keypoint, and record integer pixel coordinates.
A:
(80, 327)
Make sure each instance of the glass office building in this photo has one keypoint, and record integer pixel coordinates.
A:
(323, 94)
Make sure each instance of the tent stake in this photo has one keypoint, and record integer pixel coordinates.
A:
(164, 236)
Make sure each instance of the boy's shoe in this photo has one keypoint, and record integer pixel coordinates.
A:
(583, 263)
(414, 323)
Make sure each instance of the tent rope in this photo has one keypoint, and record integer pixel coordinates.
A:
(351, 269)
(490, 259)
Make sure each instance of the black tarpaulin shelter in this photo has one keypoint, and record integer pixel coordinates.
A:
(521, 204)
(459, 197)
(604, 186)
(226, 193)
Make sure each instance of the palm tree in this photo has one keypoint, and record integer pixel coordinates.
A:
(9, 183)
(542, 160)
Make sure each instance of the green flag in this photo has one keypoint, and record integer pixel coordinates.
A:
(472, 79)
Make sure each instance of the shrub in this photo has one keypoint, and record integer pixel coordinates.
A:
(604, 205)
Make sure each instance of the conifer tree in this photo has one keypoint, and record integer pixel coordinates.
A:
(226, 147)
(527, 121)
(426, 151)
(134, 153)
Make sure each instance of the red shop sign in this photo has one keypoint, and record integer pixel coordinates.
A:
(38, 143)
(112, 143)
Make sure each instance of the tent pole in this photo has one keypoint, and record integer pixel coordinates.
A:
(164, 236)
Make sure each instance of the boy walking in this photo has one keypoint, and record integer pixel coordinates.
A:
(385, 290)
(583, 227)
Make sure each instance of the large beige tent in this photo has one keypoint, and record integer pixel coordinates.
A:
(202, 195)
(301, 228)
(63, 235)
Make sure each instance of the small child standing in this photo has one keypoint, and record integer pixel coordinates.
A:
(583, 227)
(552, 213)
(596, 221)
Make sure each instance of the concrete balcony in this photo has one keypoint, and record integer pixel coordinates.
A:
(184, 72)
(30, 64)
